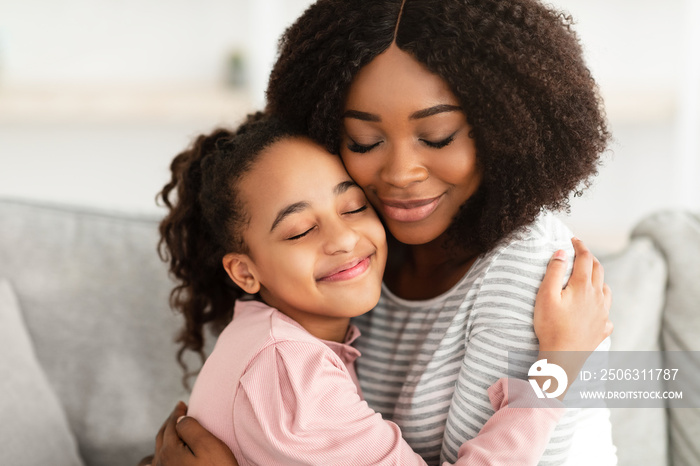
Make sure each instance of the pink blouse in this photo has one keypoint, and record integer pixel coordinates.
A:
(275, 394)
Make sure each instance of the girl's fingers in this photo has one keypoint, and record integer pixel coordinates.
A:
(583, 262)
(609, 327)
(597, 274)
(607, 296)
(551, 285)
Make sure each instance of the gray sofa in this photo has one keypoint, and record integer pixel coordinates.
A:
(88, 370)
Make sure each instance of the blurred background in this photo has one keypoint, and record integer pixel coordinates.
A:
(97, 96)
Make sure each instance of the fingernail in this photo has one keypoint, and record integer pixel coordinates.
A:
(574, 238)
(560, 255)
(179, 419)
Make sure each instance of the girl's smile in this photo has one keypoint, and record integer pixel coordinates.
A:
(347, 271)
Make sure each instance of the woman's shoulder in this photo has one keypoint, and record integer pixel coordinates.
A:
(528, 251)
(538, 239)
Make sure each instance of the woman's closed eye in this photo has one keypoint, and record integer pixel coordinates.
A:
(439, 144)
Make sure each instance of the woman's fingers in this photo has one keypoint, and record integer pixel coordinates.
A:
(180, 410)
(192, 433)
(170, 436)
(203, 444)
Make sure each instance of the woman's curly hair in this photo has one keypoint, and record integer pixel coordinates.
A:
(205, 221)
(516, 66)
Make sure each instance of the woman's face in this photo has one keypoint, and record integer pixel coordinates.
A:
(406, 142)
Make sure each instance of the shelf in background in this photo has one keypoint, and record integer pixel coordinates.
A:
(117, 104)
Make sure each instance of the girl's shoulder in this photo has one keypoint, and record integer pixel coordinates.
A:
(267, 325)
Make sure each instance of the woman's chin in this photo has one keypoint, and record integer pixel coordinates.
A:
(413, 234)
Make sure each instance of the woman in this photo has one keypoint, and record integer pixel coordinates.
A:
(463, 122)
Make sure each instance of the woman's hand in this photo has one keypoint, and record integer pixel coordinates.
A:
(182, 441)
(575, 318)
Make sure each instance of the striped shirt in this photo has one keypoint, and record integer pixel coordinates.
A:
(426, 365)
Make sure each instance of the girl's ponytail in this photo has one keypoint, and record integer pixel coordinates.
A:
(205, 221)
(203, 294)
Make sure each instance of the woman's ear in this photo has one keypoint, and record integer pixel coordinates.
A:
(242, 271)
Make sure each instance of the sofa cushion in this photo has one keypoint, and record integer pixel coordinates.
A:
(637, 277)
(35, 428)
(677, 236)
(94, 295)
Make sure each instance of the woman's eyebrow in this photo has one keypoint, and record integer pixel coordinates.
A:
(426, 112)
(364, 116)
(287, 211)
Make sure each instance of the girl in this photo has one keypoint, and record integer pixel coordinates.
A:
(280, 385)
(463, 121)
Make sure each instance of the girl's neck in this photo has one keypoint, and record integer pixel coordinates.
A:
(323, 327)
(425, 271)
(335, 329)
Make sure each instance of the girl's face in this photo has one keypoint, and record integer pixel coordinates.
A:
(316, 249)
(406, 143)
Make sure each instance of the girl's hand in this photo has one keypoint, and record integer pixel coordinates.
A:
(574, 318)
(570, 323)
(182, 441)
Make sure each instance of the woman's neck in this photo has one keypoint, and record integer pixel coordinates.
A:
(425, 271)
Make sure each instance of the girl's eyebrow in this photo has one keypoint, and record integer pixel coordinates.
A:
(424, 113)
(339, 189)
(343, 186)
(289, 210)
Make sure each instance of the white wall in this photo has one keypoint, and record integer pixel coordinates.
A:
(97, 96)
(645, 55)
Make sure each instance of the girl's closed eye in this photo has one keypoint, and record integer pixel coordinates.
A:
(358, 210)
(300, 235)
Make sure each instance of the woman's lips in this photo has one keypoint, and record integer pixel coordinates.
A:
(409, 211)
(347, 271)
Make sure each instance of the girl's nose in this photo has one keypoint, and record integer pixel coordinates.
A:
(340, 237)
(403, 167)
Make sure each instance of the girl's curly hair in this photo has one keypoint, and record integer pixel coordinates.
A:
(205, 221)
(516, 67)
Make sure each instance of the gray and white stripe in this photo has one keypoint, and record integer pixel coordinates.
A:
(427, 365)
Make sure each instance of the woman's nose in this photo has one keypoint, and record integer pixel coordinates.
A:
(403, 167)
(340, 237)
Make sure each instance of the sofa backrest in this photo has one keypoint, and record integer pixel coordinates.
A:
(94, 297)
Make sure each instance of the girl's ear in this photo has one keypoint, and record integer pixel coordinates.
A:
(242, 271)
